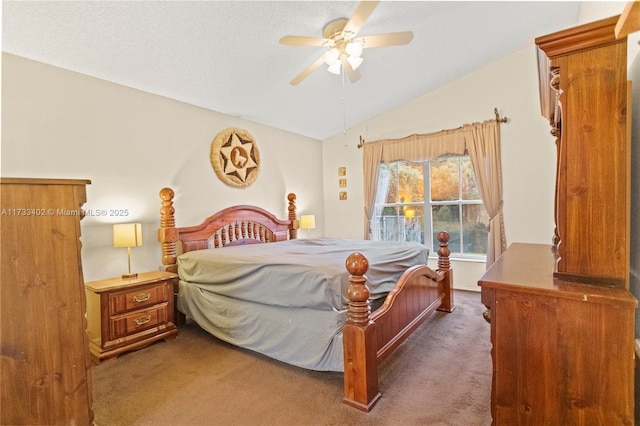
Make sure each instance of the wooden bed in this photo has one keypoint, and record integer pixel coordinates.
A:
(368, 337)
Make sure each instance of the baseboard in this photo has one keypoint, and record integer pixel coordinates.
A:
(475, 288)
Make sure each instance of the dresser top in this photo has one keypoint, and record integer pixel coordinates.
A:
(529, 268)
(43, 181)
(119, 282)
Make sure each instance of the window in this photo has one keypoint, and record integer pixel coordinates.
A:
(454, 205)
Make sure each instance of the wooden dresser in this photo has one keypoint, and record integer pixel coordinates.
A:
(563, 352)
(45, 365)
(127, 314)
(562, 316)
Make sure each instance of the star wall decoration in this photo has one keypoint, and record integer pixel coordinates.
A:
(235, 157)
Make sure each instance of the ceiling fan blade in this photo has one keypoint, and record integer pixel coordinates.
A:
(382, 40)
(306, 41)
(354, 75)
(304, 74)
(358, 18)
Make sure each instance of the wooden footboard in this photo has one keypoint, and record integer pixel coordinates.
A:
(368, 338)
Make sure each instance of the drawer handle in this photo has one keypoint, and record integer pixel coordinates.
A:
(142, 320)
(142, 297)
(487, 315)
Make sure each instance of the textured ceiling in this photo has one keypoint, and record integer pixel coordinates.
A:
(225, 55)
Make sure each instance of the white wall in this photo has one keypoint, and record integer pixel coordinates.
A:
(130, 144)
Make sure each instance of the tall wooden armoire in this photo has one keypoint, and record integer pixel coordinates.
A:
(44, 366)
(562, 316)
(588, 103)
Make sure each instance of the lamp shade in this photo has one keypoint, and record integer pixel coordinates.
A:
(308, 221)
(127, 235)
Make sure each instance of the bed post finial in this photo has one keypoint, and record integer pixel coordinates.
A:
(358, 338)
(167, 233)
(359, 307)
(443, 251)
(293, 216)
(444, 266)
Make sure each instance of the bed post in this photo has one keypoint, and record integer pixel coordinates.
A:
(444, 267)
(168, 233)
(293, 230)
(358, 337)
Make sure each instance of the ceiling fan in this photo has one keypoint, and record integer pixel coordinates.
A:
(344, 48)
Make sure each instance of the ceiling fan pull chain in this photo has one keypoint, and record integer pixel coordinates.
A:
(344, 112)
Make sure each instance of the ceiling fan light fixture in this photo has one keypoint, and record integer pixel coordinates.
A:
(354, 61)
(334, 68)
(354, 49)
(331, 56)
(345, 49)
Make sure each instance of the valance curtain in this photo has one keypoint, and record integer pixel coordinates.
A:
(480, 140)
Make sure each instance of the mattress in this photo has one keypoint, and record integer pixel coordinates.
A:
(287, 300)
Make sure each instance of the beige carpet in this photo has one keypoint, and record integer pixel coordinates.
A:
(440, 376)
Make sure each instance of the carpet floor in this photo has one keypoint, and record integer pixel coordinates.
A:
(440, 376)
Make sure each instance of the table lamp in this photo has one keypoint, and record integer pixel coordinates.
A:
(127, 235)
(308, 222)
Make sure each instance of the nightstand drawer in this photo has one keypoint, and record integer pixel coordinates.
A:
(138, 321)
(138, 298)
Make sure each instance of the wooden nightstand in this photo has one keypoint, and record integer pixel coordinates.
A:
(126, 314)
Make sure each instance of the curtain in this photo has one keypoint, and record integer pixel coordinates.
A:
(480, 140)
(483, 146)
(371, 157)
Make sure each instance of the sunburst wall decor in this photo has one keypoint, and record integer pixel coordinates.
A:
(235, 157)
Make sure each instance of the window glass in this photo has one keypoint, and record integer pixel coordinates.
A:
(445, 179)
(475, 222)
(413, 223)
(403, 214)
(411, 182)
(447, 218)
(470, 189)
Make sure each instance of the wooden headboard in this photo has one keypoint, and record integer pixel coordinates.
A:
(236, 225)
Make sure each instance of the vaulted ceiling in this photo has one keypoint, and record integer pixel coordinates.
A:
(226, 56)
